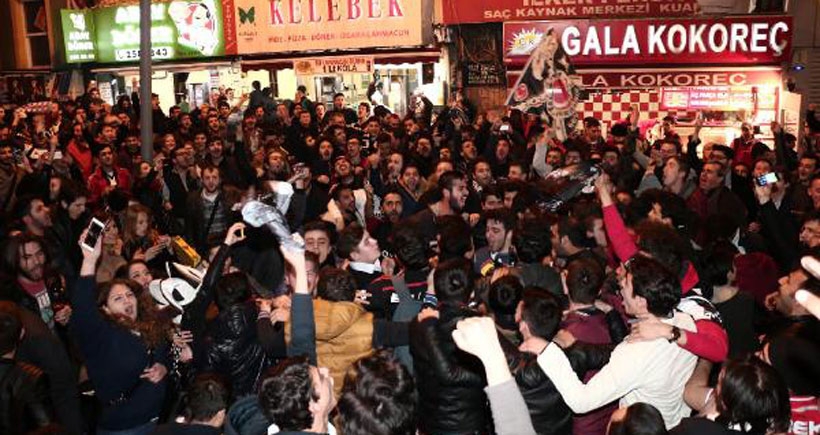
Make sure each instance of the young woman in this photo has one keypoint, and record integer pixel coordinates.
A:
(750, 398)
(140, 240)
(126, 349)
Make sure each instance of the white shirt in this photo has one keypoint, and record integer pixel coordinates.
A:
(653, 372)
(370, 268)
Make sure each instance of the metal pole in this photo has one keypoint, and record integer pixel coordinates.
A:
(146, 108)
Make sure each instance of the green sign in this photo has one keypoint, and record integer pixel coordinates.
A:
(179, 30)
(78, 35)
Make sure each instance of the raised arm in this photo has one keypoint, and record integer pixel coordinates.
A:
(622, 242)
(87, 323)
(303, 326)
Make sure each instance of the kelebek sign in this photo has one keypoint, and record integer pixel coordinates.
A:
(736, 40)
(266, 26)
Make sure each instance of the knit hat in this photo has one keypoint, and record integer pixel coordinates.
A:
(756, 275)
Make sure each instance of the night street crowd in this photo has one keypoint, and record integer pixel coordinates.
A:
(295, 267)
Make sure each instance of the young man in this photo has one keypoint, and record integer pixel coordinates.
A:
(497, 253)
(582, 282)
(207, 213)
(107, 178)
(32, 285)
(205, 409)
(654, 371)
(362, 252)
(33, 215)
(450, 200)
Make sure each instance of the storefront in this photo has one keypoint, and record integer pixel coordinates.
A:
(729, 69)
(478, 39)
(368, 50)
(189, 44)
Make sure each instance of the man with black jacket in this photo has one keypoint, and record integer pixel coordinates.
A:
(24, 402)
(207, 212)
(180, 179)
(450, 382)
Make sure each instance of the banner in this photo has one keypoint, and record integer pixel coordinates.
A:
(180, 29)
(334, 65)
(490, 11)
(641, 79)
(270, 26)
(748, 40)
(78, 35)
(547, 86)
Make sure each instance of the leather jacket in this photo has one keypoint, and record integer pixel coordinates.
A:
(233, 350)
(24, 400)
(548, 411)
(450, 382)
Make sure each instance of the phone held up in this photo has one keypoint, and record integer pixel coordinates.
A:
(766, 179)
(95, 230)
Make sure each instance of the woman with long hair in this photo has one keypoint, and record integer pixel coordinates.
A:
(126, 348)
(141, 240)
(750, 398)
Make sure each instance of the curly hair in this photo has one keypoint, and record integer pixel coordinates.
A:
(336, 285)
(286, 392)
(152, 328)
(378, 398)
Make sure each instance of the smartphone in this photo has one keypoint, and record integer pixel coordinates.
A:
(504, 128)
(240, 233)
(765, 179)
(95, 230)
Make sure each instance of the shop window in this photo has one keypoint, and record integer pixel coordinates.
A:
(769, 6)
(36, 32)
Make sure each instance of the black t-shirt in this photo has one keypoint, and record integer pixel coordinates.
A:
(737, 314)
(701, 426)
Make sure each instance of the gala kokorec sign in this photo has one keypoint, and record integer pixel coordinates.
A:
(488, 11)
(265, 26)
(746, 40)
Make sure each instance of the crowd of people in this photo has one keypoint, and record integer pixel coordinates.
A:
(296, 267)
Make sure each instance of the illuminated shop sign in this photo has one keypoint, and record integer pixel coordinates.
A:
(179, 30)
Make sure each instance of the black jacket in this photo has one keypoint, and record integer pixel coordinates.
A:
(178, 191)
(24, 404)
(548, 411)
(233, 349)
(196, 222)
(174, 428)
(450, 382)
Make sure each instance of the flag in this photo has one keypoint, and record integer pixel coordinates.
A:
(547, 86)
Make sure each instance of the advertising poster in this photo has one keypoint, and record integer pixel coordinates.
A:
(179, 30)
(78, 35)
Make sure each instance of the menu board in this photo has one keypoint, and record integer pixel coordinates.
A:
(483, 74)
(748, 98)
